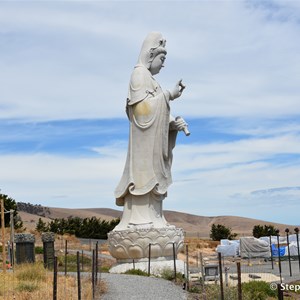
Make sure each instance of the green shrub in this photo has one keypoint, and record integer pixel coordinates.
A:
(27, 286)
(136, 272)
(105, 269)
(253, 290)
(168, 274)
(257, 290)
(39, 250)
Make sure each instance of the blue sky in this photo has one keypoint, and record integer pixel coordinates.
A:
(64, 73)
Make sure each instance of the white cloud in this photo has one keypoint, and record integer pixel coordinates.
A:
(72, 60)
(208, 179)
(84, 182)
(236, 62)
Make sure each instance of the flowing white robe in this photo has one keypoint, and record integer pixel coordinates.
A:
(149, 157)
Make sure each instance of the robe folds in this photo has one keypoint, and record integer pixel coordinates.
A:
(149, 157)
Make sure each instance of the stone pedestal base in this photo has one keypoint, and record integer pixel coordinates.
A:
(157, 266)
(133, 243)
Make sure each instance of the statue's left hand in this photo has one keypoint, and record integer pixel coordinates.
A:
(180, 124)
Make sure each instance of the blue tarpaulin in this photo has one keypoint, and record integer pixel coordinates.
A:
(275, 250)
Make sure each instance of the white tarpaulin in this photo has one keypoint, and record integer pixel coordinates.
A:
(229, 248)
(282, 242)
(251, 247)
(293, 249)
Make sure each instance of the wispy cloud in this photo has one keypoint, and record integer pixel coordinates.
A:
(238, 62)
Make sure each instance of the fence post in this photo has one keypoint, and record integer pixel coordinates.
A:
(3, 235)
(78, 276)
(221, 275)
(96, 261)
(93, 274)
(174, 259)
(55, 278)
(12, 233)
(187, 268)
(203, 276)
(271, 251)
(238, 265)
(280, 292)
(297, 236)
(149, 259)
(100, 264)
(279, 259)
(66, 254)
(289, 252)
(81, 260)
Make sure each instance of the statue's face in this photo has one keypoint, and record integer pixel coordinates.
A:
(157, 63)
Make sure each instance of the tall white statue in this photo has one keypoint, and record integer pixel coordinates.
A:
(147, 172)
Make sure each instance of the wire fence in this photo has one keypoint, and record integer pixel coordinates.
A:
(75, 272)
(216, 276)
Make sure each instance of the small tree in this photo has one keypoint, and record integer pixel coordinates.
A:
(266, 230)
(10, 204)
(219, 232)
(41, 226)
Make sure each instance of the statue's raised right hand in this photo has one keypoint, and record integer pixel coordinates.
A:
(177, 91)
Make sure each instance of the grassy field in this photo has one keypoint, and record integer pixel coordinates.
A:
(34, 282)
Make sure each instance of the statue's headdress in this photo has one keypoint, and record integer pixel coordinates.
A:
(153, 45)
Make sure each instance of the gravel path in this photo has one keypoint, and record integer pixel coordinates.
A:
(132, 287)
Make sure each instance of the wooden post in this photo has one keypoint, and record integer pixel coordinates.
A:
(203, 276)
(66, 254)
(149, 260)
(174, 258)
(270, 238)
(93, 273)
(297, 236)
(187, 268)
(221, 275)
(238, 265)
(280, 292)
(96, 262)
(3, 236)
(78, 276)
(81, 260)
(289, 252)
(279, 259)
(12, 235)
(55, 279)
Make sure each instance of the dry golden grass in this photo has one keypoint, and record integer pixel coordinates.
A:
(32, 281)
(197, 246)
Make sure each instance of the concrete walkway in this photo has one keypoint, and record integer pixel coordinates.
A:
(132, 287)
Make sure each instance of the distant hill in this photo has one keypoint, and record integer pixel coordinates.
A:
(192, 224)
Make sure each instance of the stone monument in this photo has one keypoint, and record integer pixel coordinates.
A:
(147, 173)
(25, 248)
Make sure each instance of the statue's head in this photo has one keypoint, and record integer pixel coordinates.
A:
(153, 52)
